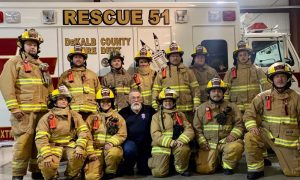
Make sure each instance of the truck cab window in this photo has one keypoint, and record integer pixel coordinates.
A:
(217, 54)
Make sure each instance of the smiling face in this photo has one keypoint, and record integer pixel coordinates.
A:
(168, 103)
(143, 63)
(105, 104)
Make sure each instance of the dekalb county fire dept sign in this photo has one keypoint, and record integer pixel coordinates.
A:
(115, 17)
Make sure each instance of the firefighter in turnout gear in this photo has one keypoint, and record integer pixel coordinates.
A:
(25, 84)
(202, 70)
(171, 133)
(245, 80)
(109, 132)
(82, 83)
(218, 129)
(143, 76)
(118, 80)
(273, 121)
(180, 78)
(61, 135)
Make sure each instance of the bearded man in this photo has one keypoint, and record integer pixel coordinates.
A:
(137, 147)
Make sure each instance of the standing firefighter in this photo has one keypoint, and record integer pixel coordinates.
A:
(61, 134)
(144, 75)
(82, 83)
(244, 80)
(25, 84)
(202, 70)
(219, 128)
(109, 132)
(180, 78)
(118, 80)
(273, 121)
(171, 133)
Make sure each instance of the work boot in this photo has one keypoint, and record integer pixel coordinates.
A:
(17, 178)
(37, 175)
(228, 171)
(267, 162)
(109, 176)
(255, 175)
(186, 174)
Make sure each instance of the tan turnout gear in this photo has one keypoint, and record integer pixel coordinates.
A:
(276, 115)
(182, 80)
(106, 128)
(59, 135)
(83, 85)
(25, 90)
(244, 80)
(164, 137)
(210, 131)
(203, 73)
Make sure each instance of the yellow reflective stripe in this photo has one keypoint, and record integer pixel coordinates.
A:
(123, 89)
(57, 151)
(237, 132)
(184, 138)
(146, 93)
(279, 120)
(44, 150)
(71, 144)
(263, 80)
(156, 87)
(212, 145)
(226, 165)
(114, 141)
(194, 84)
(168, 134)
(40, 134)
(160, 150)
(201, 140)
(90, 149)
(226, 97)
(15, 164)
(196, 100)
(98, 152)
(81, 141)
(178, 169)
(28, 107)
(29, 81)
(256, 166)
(222, 141)
(82, 128)
(286, 143)
(100, 137)
(211, 127)
(12, 102)
(184, 107)
(250, 124)
(84, 108)
(182, 88)
(166, 141)
(82, 90)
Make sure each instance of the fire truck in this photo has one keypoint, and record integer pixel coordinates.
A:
(102, 27)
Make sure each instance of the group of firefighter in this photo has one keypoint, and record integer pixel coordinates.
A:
(198, 116)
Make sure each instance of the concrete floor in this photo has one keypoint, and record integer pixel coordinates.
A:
(271, 173)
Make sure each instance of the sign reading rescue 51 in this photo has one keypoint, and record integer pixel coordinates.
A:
(115, 17)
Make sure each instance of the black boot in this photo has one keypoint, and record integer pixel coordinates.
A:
(267, 162)
(255, 175)
(37, 175)
(109, 176)
(186, 174)
(228, 171)
(17, 178)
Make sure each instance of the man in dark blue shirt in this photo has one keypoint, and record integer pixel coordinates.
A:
(137, 147)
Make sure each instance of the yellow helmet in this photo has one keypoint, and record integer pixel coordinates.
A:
(216, 83)
(105, 93)
(199, 50)
(143, 53)
(30, 34)
(279, 68)
(167, 93)
(174, 48)
(77, 49)
(61, 91)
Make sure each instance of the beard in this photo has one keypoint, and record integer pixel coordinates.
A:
(136, 106)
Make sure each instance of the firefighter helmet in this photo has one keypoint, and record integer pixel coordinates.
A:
(199, 50)
(174, 48)
(77, 50)
(167, 93)
(143, 53)
(114, 55)
(105, 93)
(279, 68)
(215, 83)
(30, 34)
(61, 91)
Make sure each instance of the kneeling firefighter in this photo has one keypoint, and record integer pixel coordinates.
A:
(109, 131)
(171, 133)
(61, 134)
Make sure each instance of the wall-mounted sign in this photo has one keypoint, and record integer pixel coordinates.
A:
(214, 16)
(12, 17)
(181, 16)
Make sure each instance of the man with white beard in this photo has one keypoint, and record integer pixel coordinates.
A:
(137, 147)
